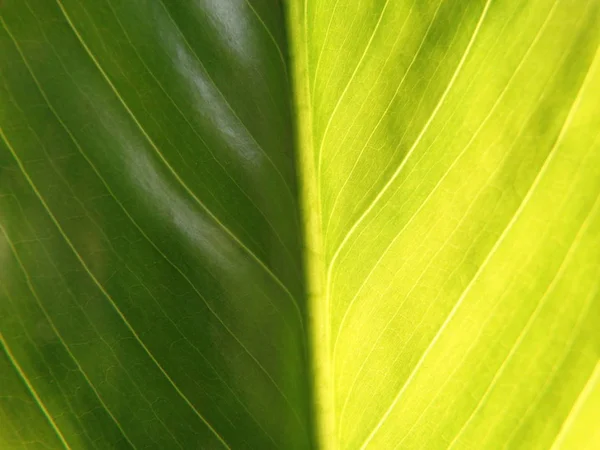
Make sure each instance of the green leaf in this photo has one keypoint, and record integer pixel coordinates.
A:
(317, 224)
(151, 252)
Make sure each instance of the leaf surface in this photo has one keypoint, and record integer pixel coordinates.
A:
(453, 150)
(317, 224)
(152, 289)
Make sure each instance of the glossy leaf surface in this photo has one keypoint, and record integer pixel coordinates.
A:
(317, 224)
(152, 286)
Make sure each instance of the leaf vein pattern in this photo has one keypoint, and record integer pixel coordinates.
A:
(494, 249)
(343, 94)
(195, 131)
(176, 175)
(154, 245)
(263, 151)
(540, 304)
(33, 392)
(107, 295)
(417, 141)
(59, 335)
(445, 175)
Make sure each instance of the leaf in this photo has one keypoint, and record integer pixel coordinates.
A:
(333, 224)
(453, 149)
(152, 281)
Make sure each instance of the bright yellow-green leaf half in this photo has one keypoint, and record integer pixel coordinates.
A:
(333, 224)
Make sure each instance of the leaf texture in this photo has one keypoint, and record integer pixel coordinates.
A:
(328, 224)
(453, 151)
(152, 288)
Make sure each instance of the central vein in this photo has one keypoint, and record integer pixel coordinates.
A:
(314, 255)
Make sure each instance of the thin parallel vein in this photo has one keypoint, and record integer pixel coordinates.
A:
(397, 172)
(532, 318)
(333, 62)
(107, 240)
(474, 340)
(408, 294)
(149, 240)
(374, 267)
(93, 327)
(387, 108)
(330, 268)
(343, 94)
(568, 346)
(106, 294)
(222, 94)
(457, 367)
(323, 46)
(552, 374)
(199, 136)
(455, 161)
(54, 379)
(499, 242)
(176, 175)
(400, 306)
(590, 385)
(101, 338)
(271, 37)
(59, 335)
(32, 391)
(327, 305)
(213, 312)
(373, 85)
(367, 192)
(399, 187)
(195, 347)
